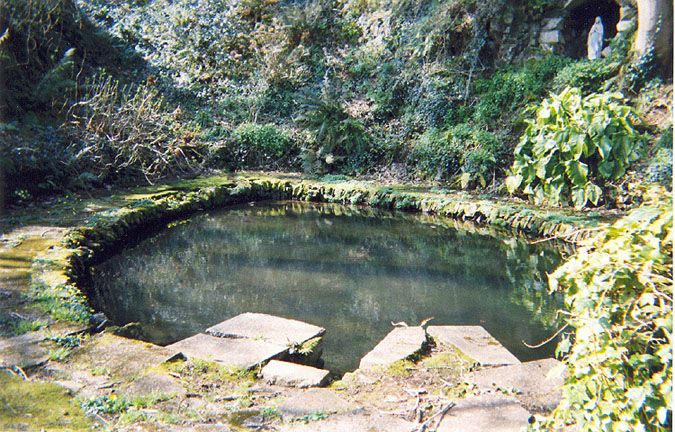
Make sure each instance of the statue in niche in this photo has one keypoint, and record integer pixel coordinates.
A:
(595, 39)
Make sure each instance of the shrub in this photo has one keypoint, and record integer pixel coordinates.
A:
(573, 146)
(42, 44)
(263, 145)
(433, 155)
(591, 76)
(128, 131)
(339, 142)
(460, 149)
(660, 168)
(618, 289)
(512, 88)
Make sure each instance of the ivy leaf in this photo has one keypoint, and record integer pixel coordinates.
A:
(579, 197)
(662, 415)
(604, 147)
(577, 172)
(464, 180)
(593, 193)
(513, 182)
(606, 169)
(481, 179)
(563, 347)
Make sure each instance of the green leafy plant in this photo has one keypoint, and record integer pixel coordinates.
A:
(510, 89)
(573, 146)
(465, 150)
(107, 404)
(338, 138)
(618, 292)
(588, 75)
(315, 416)
(434, 156)
(259, 145)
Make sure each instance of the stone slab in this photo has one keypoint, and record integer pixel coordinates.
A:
(26, 351)
(475, 342)
(400, 344)
(550, 37)
(240, 353)
(314, 401)
(294, 375)
(361, 422)
(269, 328)
(120, 356)
(153, 384)
(553, 23)
(536, 383)
(486, 413)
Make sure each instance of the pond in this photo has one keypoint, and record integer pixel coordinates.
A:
(351, 270)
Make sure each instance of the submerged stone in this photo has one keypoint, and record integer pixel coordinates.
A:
(294, 375)
(536, 384)
(400, 344)
(239, 353)
(486, 413)
(269, 328)
(475, 342)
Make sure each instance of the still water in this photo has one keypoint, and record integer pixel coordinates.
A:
(351, 270)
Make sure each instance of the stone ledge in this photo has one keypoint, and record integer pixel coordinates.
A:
(486, 413)
(269, 328)
(536, 384)
(400, 344)
(475, 342)
(294, 375)
(239, 353)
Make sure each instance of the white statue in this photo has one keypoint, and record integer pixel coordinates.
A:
(595, 39)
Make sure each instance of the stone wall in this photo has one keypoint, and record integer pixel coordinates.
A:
(553, 29)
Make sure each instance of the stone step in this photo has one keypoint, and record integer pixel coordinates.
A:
(485, 413)
(475, 342)
(293, 374)
(536, 384)
(269, 328)
(400, 344)
(238, 353)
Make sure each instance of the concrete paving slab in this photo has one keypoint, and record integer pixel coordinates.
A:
(240, 353)
(362, 422)
(400, 344)
(269, 328)
(536, 384)
(153, 384)
(475, 342)
(121, 357)
(314, 401)
(294, 375)
(26, 351)
(486, 413)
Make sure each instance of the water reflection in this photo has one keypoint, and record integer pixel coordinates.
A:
(352, 271)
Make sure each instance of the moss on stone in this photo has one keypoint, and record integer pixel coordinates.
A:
(26, 405)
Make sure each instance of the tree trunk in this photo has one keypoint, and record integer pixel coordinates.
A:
(655, 30)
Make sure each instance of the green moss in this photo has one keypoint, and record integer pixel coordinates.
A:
(210, 371)
(11, 326)
(26, 405)
(401, 368)
(308, 347)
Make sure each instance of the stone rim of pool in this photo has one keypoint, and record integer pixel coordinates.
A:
(433, 223)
